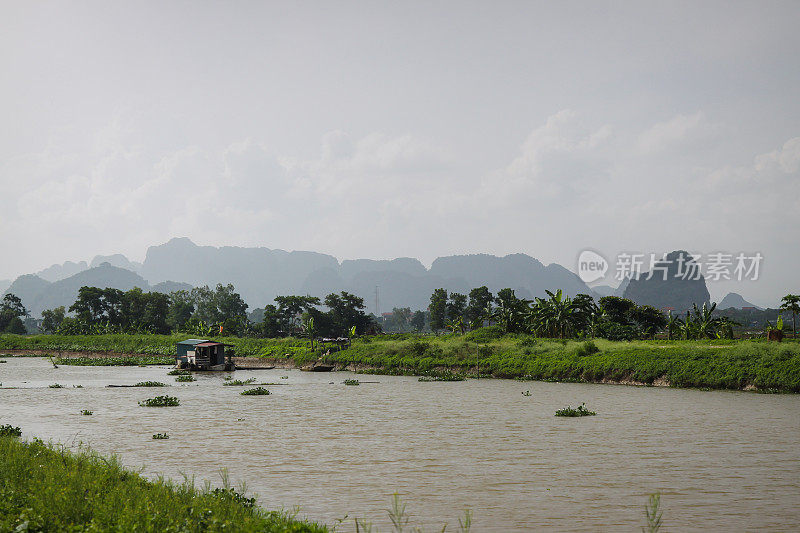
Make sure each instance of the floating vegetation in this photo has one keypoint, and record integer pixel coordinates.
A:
(526, 393)
(10, 431)
(443, 376)
(77, 386)
(238, 382)
(56, 386)
(151, 384)
(3, 361)
(160, 401)
(185, 379)
(284, 377)
(580, 411)
(178, 372)
(87, 412)
(351, 382)
(160, 436)
(236, 497)
(258, 391)
(115, 361)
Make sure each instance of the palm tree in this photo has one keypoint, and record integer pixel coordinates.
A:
(791, 303)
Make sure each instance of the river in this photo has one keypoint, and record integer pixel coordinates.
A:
(722, 461)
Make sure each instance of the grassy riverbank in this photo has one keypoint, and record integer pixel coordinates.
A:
(718, 364)
(45, 488)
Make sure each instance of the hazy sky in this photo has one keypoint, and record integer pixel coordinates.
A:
(385, 129)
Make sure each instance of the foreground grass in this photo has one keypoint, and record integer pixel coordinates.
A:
(717, 364)
(46, 488)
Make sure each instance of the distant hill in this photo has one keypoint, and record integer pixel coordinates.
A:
(666, 287)
(603, 290)
(260, 274)
(734, 300)
(38, 294)
(117, 260)
(63, 271)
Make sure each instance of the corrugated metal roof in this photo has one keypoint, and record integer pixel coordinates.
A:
(193, 342)
(207, 343)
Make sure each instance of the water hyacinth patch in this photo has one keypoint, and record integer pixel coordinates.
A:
(151, 384)
(351, 382)
(87, 412)
(178, 372)
(185, 379)
(580, 411)
(238, 382)
(258, 391)
(160, 401)
(56, 386)
(8, 430)
(160, 436)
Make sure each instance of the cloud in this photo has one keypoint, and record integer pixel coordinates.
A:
(562, 159)
(678, 133)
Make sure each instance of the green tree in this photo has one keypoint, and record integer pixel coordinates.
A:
(346, 311)
(438, 310)
(456, 305)
(52, 319)
(291, 309)
(418, 320)
(181, 309)
(402, 317)
(791, 303)
(649, 319)
(11, 311)
(510, 311)
(479, 308)
(617, 309)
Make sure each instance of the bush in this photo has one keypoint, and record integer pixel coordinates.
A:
(587, 348)
(486, 334)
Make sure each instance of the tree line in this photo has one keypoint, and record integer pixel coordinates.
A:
(203, 311)
(560, 316)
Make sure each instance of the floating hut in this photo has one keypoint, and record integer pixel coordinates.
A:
(201, 354)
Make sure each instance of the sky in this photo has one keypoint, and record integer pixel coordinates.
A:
(392, 129)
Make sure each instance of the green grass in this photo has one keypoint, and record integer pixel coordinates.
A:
(715, 364)
(46, 488)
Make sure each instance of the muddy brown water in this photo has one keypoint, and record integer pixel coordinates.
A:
(723, 461)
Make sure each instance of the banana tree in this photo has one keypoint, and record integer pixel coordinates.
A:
(309, 330)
